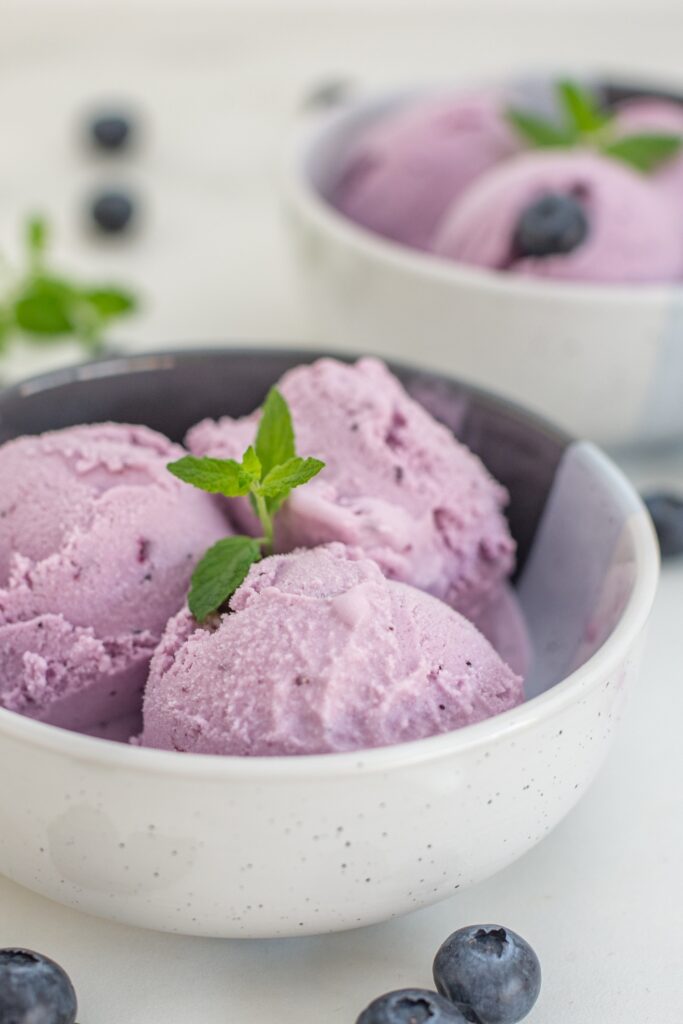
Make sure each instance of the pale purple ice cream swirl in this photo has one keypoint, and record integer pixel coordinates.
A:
(321, 654)
(97, 545)
(405, 169)
(397, 486)
(631, 234)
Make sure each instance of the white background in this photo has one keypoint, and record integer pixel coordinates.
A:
(219, 86)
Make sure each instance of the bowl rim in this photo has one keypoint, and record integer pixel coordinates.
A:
(304, 199)
(103, 752)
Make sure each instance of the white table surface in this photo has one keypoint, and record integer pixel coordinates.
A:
(600, 898)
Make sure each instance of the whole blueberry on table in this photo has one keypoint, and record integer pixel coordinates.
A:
(411, 1006)
(553, 225)
(667, 515)
(112, 211)
(490, 971)
(111, 132)
(34, 990)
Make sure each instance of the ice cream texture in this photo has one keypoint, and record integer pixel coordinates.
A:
(97, 545)
(406, 168)
(397, 486)
(321, 653)
(631, 234)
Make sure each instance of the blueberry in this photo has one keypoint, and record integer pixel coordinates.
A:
(411, 1006)
(34, 990)
(329, 92)
(554, 224)
(111, 132)
(489, 971)
(112, 211)
(667, 515)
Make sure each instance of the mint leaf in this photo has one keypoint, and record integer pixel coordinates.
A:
(217, 476)
(220, 572)
(541, 133)
(45, 307)
(267, 473)
(644, 152)
(275, 437)
(252, 464)
(581, 108)
(109, 302)
(290, 474)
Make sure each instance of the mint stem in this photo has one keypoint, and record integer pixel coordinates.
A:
(266, 522)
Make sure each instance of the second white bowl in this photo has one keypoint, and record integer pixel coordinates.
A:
(604, 361)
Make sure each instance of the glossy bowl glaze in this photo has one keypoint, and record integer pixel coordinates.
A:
(227, 846)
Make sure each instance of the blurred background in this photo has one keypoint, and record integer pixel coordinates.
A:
(215, 88)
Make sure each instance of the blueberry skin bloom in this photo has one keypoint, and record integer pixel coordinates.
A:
(490, 971)
(34, 990)
(553, 225)
(411, 1006)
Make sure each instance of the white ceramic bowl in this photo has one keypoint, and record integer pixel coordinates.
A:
(605, 362)
(280, 846)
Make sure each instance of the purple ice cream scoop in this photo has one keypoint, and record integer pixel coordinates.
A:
(407, 167)
(397, 486)
(97, 544)
(321, 653)
(603, 221)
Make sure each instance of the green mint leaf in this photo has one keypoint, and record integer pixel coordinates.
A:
(220, 572)
(541, 133)
(217, 476)
(37, 235)
(644, 152)
(251, 464)
(45, 308)
(109, 302)
(290, 474)
(581, 108)
(275, 437)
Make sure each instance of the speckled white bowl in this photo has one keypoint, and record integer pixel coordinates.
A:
(563, 349)
(282, 846)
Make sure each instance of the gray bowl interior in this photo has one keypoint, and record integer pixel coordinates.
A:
(568, 507)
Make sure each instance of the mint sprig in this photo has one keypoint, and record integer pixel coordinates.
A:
(645, 152)
(268, 472)
(42, 306)
(581, 108)
(541, 133)
(221, 571)
(584, 123)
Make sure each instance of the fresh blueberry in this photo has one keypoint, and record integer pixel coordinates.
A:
(111, 132)
(112, 211)
(34, 990)
(552, 225)
(329, 92)
(411, 1006)
(667, 515)
(489, 971)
